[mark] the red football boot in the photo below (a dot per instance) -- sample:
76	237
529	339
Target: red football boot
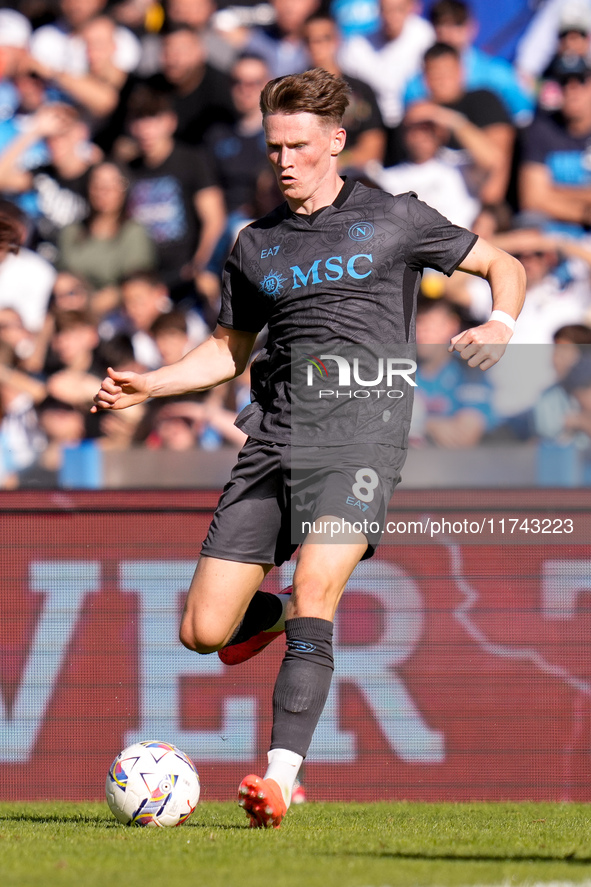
262	800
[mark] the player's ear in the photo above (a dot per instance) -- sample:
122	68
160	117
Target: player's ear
338	141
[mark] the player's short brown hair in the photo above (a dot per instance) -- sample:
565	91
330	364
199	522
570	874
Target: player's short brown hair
313	92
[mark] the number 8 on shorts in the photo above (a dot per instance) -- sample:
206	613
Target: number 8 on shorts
366	481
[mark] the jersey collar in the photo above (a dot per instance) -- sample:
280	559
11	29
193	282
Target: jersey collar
349	184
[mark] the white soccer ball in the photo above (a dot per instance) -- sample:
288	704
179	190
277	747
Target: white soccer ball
152	783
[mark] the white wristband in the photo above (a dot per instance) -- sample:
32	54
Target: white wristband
503	317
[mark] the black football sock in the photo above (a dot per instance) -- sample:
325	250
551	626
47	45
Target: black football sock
303	682
264	610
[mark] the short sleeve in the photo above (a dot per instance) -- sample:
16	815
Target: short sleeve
243	307
433	241
200	170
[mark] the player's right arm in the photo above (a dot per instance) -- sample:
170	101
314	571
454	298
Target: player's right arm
221	357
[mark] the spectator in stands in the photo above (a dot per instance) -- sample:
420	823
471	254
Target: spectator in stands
554	175
107	245
428	171
95	90
145	19
182	424
366	136
387	59
238	153
198	15
172	431
14	333
574	43
174	196
26	278
61	46
200	94
145	301
69	293
281	44
15	31
455	25
444	79
558	272
19	430
554	27
62	425
175	335
550	416
74	362
61	184
453	400
118	430
30	93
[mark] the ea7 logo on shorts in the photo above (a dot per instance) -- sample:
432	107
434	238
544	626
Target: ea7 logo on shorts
361	231
271	251
356	503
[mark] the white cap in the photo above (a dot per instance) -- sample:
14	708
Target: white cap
575	16
15	29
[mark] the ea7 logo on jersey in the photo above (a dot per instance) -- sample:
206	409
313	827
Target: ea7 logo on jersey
271	251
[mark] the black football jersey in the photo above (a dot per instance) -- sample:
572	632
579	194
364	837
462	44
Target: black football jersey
346	276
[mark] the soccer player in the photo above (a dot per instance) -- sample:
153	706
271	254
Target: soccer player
336	264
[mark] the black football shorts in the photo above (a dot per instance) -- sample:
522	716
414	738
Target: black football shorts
276	496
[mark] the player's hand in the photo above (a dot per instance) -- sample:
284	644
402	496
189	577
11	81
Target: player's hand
482	346
120	390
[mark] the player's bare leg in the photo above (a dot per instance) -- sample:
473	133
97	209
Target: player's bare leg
217	600
303	682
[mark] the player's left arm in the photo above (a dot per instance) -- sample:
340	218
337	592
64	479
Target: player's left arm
482	346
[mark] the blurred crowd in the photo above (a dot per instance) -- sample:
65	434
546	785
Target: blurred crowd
132	152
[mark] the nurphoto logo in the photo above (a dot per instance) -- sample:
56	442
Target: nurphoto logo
388	372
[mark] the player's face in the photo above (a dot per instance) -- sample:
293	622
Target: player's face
302	149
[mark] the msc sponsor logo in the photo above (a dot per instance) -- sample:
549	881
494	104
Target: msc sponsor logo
272	284
357	267
361	231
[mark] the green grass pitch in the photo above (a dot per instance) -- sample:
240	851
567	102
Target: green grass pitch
318	845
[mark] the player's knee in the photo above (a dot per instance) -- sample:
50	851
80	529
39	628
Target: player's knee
312	591
199	637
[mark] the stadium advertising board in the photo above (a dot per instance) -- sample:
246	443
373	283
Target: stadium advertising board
462	666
